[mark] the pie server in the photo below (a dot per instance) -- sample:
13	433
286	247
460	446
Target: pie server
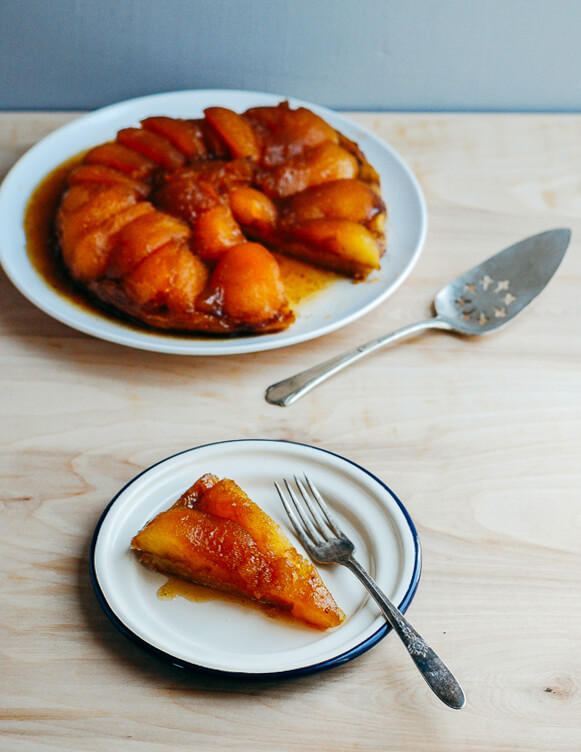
479	301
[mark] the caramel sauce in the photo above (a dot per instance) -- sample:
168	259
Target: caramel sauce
41	243
174	587
301	280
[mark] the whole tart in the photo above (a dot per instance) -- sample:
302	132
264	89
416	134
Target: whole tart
174	223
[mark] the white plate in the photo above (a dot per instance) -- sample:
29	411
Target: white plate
241	639
338	305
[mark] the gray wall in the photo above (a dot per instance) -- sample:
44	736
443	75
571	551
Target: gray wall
347	54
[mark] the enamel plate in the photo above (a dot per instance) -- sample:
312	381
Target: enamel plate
238	638
334	307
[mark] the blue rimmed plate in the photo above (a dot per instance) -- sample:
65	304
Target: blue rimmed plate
229	636
336	306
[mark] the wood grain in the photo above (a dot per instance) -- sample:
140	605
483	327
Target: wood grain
480	439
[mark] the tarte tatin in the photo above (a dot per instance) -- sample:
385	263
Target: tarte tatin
174	222
215	535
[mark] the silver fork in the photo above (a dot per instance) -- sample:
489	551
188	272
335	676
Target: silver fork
326	543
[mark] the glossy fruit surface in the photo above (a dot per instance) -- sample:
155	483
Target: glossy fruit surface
215	535
196	192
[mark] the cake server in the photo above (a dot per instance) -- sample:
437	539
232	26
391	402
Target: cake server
479	301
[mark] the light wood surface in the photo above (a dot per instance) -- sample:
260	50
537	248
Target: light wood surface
481	440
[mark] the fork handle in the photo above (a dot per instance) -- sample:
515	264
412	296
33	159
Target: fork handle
431	667
289	390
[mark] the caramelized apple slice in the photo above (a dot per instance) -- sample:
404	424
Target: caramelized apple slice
122	158
183	134
99	173
172	276
321	164
140	238
235	131
153	146
214	231
339	199
89	258
247	286
287	133
72	225
226	499
252	208
338	244
76	196
206	550
183	194
217	536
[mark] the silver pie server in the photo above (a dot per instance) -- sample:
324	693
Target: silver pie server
478	302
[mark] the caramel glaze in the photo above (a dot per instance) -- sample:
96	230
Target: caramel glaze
41	243
301	280
175	587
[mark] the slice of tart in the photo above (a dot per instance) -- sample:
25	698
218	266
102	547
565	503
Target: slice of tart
215	535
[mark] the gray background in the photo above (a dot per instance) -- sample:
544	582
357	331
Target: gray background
500	55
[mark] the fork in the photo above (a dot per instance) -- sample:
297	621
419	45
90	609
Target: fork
326	543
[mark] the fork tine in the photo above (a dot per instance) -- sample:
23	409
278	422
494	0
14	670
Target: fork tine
323	507
294	514
310	502
303	513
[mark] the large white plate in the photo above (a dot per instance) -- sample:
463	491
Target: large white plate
236	638
338	305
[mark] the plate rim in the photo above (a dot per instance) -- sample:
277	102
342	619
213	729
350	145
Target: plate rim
316	666
57	307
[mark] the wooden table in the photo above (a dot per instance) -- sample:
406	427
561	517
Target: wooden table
481	440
